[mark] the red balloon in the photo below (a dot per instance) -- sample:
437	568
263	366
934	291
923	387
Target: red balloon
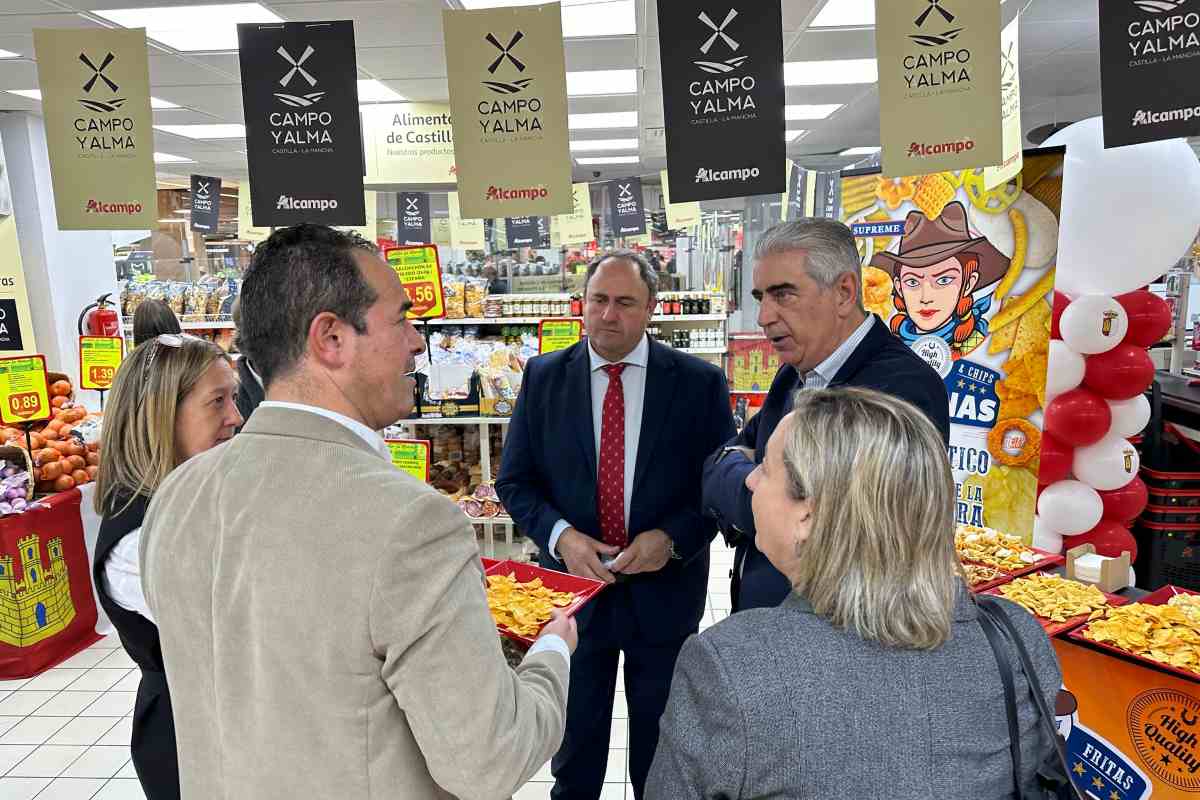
1124	504
1149	317
1120	374
1108	537
1076	418
1056	460
1061	301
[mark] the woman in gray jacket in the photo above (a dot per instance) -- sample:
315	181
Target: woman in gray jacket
873	678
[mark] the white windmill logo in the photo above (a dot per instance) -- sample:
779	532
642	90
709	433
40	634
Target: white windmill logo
298	100
718	32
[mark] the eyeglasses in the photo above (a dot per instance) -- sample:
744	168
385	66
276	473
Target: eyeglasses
173	340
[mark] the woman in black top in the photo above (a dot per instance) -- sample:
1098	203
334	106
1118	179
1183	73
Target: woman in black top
172	399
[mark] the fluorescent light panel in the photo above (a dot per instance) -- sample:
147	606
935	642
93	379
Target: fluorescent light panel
599	145
36	94
860	151
791	136
839	72
609	160
9	54
372	91
617	119
601	82
796	112
205	131
191	28
581	17
848	14
167	158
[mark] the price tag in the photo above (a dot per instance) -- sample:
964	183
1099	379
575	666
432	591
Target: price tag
412	456
99	358
24	393
558	334
421	273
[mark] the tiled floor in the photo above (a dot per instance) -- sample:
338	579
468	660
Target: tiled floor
64	735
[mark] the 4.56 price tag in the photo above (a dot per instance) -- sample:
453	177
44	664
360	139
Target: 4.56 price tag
99	358
24	393
420	271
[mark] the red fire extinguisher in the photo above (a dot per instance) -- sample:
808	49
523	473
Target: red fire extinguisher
100	318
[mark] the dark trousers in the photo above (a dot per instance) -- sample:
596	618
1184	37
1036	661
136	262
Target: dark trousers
579	766
152	747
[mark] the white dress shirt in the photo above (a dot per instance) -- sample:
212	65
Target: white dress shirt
123	576
823	374
633	383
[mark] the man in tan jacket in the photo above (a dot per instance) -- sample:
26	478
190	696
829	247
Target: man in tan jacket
323	619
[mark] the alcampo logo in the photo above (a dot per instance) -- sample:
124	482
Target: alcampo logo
1159	117
1158	6
202	189
502	87
705	175
718	32
297	64
919	150
103	106
935	39
100	207
286	203
412	205
531	193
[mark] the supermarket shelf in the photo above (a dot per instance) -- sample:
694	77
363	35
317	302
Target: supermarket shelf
198	326
703	351
536	320
691	318
456	421
502	519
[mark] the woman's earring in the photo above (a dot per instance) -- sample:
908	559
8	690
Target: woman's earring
797	548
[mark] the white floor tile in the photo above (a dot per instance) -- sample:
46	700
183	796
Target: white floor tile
619	737
85	731
127	771
121	733
85	659
98	762
121	789
6	723
66	704
47	761
118	659
616	767
55	679
539	790
111	704
13	754
71	789
4	693
22	788
98	679
107	643
130	682
22	703
33	730
13	684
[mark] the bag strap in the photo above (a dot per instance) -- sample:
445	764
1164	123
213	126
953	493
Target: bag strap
995	638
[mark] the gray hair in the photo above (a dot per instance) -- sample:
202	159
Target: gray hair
828	244
647	273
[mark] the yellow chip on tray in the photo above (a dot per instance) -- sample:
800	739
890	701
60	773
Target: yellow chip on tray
992	548
1009	500
1168	633
977	574
1055	598
523	607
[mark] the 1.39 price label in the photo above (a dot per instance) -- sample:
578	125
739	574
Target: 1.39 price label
24	393
99	358
420	270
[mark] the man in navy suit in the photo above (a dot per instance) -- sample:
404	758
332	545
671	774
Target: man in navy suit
808	285
602	469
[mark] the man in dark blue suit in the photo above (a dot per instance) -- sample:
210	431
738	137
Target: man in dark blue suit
602	469
807	282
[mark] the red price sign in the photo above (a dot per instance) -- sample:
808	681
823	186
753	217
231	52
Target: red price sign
24	393
25	405
420	271
101	375
423	296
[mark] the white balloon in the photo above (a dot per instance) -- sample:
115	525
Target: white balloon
1064	369
1069	508
1094	323
1044	538
1155	185
1108	464
1129	417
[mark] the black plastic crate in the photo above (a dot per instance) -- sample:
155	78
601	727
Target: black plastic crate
1174	498
1167	554
1168	515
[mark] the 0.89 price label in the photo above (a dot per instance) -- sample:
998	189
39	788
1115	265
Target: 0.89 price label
99	358
420	271
24	393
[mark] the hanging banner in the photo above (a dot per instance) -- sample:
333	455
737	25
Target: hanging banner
247	230
420	270
413	212
520	232
964	277
627	207
939	85
1148	86
826	194
680	216
794	205
723	98
303	136
543	232
508	103
439	233
576	227
15	338
206	202
1010	111
465	234
408	143
95	86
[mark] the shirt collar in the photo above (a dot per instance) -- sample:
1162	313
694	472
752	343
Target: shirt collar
830	367
372	438
640	356
250	367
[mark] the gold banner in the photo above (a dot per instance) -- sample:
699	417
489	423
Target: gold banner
679	215
1010	98
465	234
508	102
440	232
246	227
939	85
95	87
576	227
408	143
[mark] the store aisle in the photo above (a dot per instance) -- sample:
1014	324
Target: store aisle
64	735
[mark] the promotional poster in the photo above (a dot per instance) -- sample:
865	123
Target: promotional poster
1010	110
811	194
576	227
627	207
16	330
205	202
964	276
465	234
408	143
680	216
521	232
414	223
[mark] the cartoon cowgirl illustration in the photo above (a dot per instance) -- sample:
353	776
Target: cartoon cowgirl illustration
942	279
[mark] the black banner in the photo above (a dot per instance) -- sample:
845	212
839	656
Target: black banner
828	197
413	210
521	232
1149	58
206	202
627	206
797	194
543	231
723	97
10	327
303	132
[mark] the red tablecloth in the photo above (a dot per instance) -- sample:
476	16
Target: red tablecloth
47	607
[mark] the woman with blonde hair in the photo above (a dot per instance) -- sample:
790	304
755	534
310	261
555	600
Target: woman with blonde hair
172	398
875	677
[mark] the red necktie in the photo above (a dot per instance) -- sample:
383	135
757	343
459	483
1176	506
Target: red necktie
610	479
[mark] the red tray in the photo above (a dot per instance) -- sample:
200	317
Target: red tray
1055	628
992	584
488	563
1048	560
1156	598
584	588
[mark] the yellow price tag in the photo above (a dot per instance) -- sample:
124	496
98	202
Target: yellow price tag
99	358
558	334
421	273
411	456
24	393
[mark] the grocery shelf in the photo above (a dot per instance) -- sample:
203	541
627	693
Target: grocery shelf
198	326
703	351
456	421
501	519
536	320
691	318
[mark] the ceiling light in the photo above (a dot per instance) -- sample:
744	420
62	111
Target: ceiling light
598	145
167	158
581	17
860	151
830	73
191	28
36	94
601	82
372	91
609	160
845	13
9	54
810	111
791	136
616	119
205	131
157	103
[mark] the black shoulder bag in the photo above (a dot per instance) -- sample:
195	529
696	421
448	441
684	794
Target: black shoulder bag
1052	775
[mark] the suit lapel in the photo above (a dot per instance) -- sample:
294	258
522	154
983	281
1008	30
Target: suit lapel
656	406
876	337
579	398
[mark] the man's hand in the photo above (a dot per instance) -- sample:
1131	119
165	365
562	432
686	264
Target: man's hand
581	553
562	625
648	552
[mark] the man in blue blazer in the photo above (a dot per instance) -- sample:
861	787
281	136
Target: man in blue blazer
808	284
602	468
